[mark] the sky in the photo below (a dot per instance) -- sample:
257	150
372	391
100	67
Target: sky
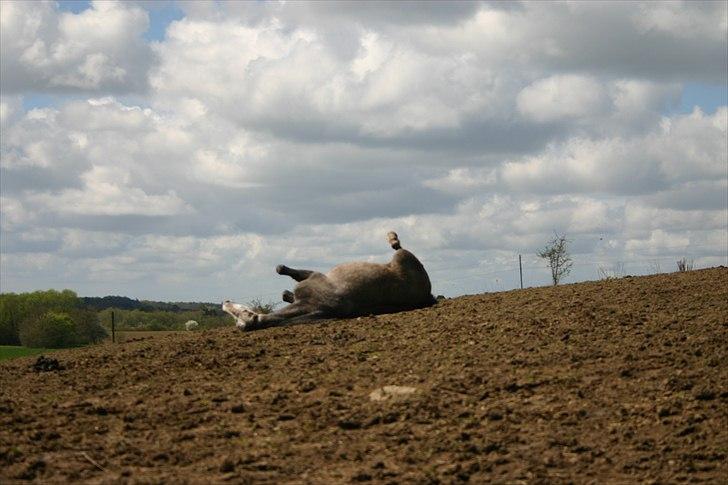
178	151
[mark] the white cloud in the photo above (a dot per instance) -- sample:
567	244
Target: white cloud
693	147
10	107
639	100
80	243
562	97
286	79
12	213
603	107
299	133
305	76
684	19
107	192
585	165
465	180
100	48
683	148
641	219
107	114
208	167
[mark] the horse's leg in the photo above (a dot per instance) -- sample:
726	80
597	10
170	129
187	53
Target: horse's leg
296	274
294	313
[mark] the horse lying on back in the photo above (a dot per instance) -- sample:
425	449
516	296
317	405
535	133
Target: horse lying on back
348	290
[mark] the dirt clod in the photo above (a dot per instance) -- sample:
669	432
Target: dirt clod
47	364
237	409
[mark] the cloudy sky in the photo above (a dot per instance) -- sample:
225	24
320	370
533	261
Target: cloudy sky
179	150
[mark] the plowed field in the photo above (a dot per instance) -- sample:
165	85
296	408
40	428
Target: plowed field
619	381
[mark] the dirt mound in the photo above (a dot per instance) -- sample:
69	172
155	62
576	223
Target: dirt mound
615	381
46	364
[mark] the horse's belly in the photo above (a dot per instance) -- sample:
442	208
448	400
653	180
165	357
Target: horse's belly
364	288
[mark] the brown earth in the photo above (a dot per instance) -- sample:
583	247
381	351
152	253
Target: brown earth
620	381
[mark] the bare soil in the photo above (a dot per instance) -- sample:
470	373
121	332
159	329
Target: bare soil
619	381
123	336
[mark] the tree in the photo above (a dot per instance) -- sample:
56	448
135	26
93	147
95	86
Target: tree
11	315
51	330
88	328
685	265
258	306
17	308
557	255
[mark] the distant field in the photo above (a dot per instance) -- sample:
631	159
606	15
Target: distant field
13	351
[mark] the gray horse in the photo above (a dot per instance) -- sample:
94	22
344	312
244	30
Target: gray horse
348	290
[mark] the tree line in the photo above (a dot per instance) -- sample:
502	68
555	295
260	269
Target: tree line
57	319
125	303
50	319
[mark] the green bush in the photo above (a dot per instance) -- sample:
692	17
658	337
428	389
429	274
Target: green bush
17	308
258	306
50	330
10	317
88	327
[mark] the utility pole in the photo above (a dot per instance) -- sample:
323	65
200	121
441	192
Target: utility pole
520	269
113	327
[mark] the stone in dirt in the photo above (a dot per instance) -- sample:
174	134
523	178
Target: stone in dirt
389	392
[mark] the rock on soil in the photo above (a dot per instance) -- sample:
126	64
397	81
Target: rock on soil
390	392
619	381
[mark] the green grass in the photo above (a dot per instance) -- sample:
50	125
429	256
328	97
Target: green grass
13	351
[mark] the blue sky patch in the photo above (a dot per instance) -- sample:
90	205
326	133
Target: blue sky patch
160	16
708	96
32	101
75	6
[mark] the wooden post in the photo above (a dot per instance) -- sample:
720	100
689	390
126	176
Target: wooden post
113	328
520	269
